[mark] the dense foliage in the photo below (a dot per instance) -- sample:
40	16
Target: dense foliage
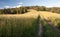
22	10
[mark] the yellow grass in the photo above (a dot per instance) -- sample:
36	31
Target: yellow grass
19	25
30	14
34	14
23	22
47	15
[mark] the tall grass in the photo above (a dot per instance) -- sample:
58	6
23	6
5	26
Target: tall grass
55	21
48	31
18	26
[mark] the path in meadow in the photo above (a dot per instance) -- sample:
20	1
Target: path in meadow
46	15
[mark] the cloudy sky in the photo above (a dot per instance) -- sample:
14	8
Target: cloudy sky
18	3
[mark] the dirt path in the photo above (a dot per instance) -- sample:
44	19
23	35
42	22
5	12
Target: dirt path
40	32
46	15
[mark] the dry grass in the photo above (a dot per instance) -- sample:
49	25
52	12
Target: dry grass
46	15
23	25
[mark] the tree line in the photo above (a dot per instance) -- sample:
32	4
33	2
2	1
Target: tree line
22	10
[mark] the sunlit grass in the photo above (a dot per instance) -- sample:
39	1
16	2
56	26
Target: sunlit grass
23	25
26	25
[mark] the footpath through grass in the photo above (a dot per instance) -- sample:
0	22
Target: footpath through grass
25	25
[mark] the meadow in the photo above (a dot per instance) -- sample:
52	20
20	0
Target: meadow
28	25
18	25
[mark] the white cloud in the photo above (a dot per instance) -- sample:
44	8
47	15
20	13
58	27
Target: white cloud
17	6
49	6
53	5
12	6
6	6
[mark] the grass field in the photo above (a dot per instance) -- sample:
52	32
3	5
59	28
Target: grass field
48	31
26	25
52	17
23	25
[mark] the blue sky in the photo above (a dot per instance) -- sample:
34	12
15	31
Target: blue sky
18	3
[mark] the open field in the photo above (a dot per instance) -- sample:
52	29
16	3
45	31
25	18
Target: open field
24	25
47	15
28	24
